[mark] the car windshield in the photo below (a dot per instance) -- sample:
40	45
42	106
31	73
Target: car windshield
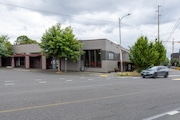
152	68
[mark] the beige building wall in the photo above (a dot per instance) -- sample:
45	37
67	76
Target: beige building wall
71	65
107	65
111	46
125	57
94	44
103	44
26	48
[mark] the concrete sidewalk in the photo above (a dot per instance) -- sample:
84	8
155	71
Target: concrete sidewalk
54	71
79	73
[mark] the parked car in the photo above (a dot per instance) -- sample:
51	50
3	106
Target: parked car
155	72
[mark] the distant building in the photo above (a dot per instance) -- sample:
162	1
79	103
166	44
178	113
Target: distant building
175	55
101	55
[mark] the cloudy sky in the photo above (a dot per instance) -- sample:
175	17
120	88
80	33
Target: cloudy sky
94	19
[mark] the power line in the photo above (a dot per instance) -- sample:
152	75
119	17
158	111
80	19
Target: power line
49	12
174	28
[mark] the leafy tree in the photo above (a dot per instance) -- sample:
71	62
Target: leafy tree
5	46
161	50
24	40
166	62
175	62
61	43
143	54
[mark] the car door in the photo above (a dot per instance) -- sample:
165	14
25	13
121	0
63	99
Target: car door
160	71
164	71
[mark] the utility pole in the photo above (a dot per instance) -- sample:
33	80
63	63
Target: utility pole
158	22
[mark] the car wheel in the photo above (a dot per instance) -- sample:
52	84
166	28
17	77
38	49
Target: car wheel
166	75
155	75
143	76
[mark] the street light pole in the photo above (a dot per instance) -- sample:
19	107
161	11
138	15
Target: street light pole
121	62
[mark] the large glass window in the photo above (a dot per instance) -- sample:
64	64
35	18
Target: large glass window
87	58
92	58
111	56
98	58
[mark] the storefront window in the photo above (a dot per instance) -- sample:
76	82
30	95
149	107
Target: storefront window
111	56
92	58
98	57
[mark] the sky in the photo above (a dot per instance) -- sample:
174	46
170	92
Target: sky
94	19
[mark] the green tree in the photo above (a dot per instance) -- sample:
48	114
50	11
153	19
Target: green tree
5	46
23	39
175	62
166	62
143	54
61	43
161	50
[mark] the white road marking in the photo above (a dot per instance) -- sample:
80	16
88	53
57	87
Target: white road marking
136	77
42	82
90	79
68	80
173	112
9	84
8	81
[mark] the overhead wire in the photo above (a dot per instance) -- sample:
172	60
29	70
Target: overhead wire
174	28
49	12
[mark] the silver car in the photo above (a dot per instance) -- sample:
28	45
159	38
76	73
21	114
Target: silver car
155	72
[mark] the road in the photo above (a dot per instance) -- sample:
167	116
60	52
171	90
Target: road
26	95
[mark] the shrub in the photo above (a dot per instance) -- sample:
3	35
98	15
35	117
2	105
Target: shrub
128	74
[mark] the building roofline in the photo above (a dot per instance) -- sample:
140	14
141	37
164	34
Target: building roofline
124	49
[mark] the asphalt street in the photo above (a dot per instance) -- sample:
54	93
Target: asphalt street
35	95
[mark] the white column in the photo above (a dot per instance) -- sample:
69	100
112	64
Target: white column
27	61
43	62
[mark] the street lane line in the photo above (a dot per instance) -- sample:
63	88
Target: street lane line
68	80
37	79
79	101
173	112
9	84
42	82
8	81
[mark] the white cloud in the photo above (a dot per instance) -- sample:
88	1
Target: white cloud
91	19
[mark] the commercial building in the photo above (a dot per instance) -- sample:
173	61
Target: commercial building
176	56
101	55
